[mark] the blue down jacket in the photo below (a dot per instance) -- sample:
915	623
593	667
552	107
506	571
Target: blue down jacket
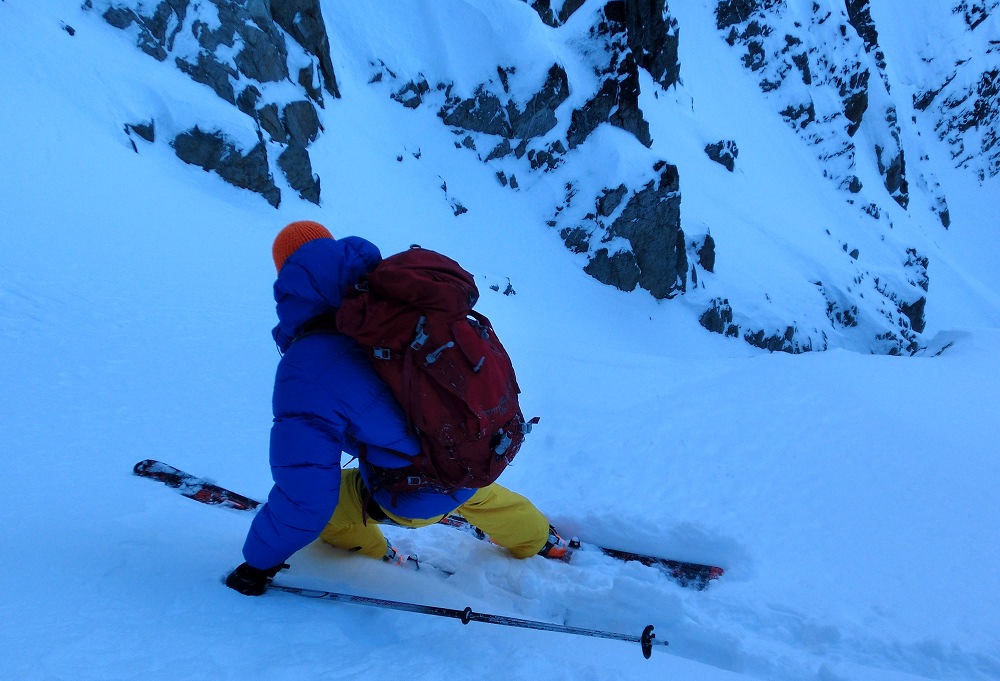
327	400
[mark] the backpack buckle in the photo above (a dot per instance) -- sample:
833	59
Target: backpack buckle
414	480
502	446
420	338
382	353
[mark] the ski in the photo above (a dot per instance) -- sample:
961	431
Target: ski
688	574
194	487
685	573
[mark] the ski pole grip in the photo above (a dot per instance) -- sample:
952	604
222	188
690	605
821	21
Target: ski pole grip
646	641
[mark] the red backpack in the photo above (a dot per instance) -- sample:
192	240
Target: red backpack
444	364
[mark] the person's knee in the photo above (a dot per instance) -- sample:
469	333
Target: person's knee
509	519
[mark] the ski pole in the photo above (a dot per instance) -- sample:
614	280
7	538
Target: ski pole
647	640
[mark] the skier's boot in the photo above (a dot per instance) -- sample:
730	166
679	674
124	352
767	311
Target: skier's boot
394	557
556	547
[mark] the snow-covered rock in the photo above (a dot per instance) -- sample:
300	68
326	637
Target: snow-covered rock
561	109
272	62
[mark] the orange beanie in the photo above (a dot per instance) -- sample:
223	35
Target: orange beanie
294	235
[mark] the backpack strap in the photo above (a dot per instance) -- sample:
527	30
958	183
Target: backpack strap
324	323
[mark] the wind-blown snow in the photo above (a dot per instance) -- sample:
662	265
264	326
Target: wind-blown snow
850	497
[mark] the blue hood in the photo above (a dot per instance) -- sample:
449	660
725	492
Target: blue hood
313	280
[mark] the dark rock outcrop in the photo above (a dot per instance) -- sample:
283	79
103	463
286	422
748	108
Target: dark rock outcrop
723	152
486	113
960	97
860	15
617	103
632	236
295	164
303	20
968	119
146	130
619	269
549	16
706	253
892	164
617	99
240	49
653	37
213	151
802	63
721	318
153	37
650	223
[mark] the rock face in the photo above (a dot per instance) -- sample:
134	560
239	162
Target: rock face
815	66
724	152
963	97
653	37
628	227
486	113
649	30
576	121
303	21
806	56
242	51
552	16
656	259
617	100
212	151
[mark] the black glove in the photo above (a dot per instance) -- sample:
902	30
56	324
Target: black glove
251	581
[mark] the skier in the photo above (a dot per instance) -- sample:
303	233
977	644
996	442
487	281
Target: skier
328	400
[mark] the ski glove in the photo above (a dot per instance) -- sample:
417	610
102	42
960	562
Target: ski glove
251	581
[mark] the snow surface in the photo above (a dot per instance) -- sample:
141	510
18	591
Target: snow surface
850	497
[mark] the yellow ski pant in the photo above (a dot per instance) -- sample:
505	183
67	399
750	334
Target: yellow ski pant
509	519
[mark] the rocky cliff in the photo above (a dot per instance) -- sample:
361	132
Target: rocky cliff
543	117
269	60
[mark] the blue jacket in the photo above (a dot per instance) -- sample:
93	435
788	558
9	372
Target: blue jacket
327	400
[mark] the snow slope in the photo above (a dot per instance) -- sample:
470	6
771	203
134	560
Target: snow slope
850	497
